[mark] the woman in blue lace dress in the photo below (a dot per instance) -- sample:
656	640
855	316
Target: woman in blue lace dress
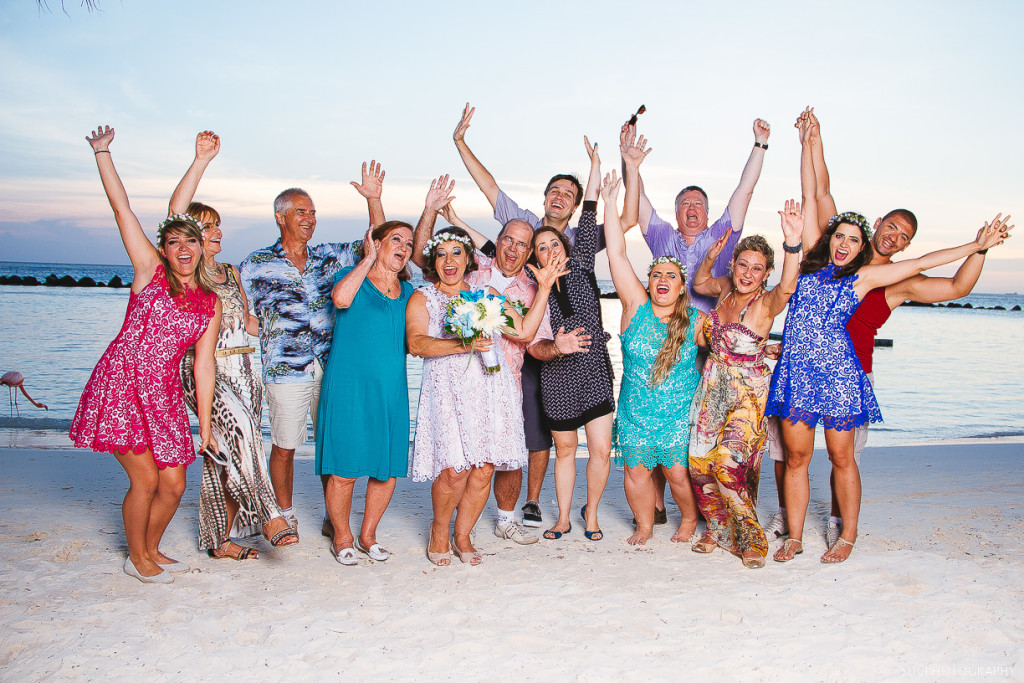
818	378
659	378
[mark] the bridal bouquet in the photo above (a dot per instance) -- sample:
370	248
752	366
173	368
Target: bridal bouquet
476	314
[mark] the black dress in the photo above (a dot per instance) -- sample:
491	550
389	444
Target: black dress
577	387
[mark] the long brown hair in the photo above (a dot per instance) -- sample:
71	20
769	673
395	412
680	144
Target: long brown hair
203	280
819	257
678	324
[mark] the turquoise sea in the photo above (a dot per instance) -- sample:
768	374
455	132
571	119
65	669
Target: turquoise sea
951	373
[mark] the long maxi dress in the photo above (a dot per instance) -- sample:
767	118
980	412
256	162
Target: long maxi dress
652	426
133	400
236	416
363	424
728	435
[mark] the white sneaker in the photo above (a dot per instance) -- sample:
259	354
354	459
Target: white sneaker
515	532
833	533
778	527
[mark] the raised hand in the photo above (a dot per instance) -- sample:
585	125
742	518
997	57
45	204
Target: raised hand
549	274
761	131
439	194
207	145
995	233
592	152
634	154
610	187
369	246
460	130
576	341
717	247
803	125
448	211
814	128
792	222
626	135
372	185
101	138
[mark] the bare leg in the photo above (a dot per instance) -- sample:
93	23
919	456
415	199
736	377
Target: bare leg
658	477
565	476
678	477
170	488
282	474
599	448
799	439
780	482
135	510
832	489
445	494
378	497
640	494
338	500
538	470
478	488
507	486
847	490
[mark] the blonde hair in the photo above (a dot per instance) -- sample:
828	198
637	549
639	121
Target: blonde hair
204	282
668	355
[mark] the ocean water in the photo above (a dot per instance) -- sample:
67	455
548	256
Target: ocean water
951	373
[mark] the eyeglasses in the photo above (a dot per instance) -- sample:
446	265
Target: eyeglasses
509	242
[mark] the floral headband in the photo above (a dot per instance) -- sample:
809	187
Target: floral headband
667	259
177	218
853	218
442	237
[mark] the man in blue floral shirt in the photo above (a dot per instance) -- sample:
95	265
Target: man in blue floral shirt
289	289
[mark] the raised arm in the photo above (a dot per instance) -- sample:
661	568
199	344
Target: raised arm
631	291
812	229
594	178
481	176
371	187
792	219
438	196
207	147
740	199
479	239
703	282
346	288
141	251
635	203
826	204
990	235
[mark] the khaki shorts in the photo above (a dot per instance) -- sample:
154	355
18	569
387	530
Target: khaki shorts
290	404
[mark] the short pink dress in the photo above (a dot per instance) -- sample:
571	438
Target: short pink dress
133	401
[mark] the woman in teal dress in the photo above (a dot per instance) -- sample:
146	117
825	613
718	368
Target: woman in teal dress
659	378
363	418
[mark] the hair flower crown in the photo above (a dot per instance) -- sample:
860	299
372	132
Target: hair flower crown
177	218
442	237
853	218
667	259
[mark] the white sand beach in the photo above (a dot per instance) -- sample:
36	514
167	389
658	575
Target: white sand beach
932	591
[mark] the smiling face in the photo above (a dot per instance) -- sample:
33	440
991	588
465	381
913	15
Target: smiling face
560	200
749	271
182	251
514	247
665	284
450	260
394	250
893	236
298	221
845	244
547	244
692	212
211	233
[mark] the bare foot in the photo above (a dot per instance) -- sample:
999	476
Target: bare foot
839	552
642	535
147	567
685	532
157	557
791	547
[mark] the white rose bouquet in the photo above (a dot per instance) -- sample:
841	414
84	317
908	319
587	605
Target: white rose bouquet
476	314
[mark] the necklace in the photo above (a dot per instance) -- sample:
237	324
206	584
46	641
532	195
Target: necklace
380	280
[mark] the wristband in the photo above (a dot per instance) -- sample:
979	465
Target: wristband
795	249
102	151
982	251
762	145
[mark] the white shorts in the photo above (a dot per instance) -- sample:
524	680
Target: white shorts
774	440
290	405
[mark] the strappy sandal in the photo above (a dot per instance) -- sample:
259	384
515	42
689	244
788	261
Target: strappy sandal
277	540
243	553
705	545
783	554
839	542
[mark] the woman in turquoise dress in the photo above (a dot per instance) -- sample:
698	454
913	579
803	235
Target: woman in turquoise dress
363	418
659	378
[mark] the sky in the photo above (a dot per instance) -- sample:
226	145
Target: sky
919	105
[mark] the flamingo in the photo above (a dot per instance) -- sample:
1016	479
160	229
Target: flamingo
16	379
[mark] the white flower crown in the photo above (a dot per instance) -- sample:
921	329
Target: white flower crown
177	218
442	237
667	259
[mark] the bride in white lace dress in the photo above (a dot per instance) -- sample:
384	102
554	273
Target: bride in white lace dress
469	421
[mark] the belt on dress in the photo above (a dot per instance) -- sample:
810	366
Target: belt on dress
223	353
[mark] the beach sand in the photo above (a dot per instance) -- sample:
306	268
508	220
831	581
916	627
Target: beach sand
933	590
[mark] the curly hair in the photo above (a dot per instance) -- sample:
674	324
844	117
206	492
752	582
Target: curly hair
759	244
668	354
819	257
429	268
184	229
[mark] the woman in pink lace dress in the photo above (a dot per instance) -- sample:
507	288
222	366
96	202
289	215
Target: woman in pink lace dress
469	422
133	405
